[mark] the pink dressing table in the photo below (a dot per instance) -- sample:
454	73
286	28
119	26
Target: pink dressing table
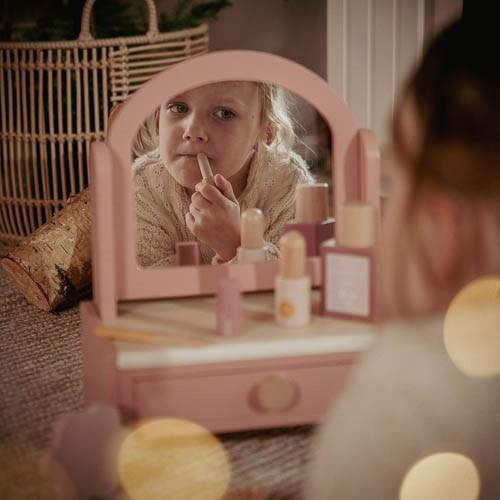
266	377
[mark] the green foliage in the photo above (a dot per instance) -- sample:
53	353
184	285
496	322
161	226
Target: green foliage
112	18
187	15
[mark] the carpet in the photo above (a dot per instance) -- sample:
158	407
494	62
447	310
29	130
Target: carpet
41	378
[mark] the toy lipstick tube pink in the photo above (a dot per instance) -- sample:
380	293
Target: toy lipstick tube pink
205	168
311	216
252	237
292	287
228	307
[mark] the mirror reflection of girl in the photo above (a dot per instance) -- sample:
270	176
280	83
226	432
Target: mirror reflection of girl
407	399
246	132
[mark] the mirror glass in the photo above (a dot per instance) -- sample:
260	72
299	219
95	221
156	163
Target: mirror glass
260	141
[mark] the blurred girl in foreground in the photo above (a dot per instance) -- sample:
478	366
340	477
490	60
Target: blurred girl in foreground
408	399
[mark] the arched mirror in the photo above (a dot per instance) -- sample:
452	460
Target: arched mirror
203	95
263	140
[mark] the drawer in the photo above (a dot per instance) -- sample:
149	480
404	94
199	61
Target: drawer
235	397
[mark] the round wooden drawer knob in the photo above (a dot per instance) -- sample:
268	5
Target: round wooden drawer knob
276	394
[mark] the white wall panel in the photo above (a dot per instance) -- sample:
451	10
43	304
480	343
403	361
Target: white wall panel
357	67
383	78
372	45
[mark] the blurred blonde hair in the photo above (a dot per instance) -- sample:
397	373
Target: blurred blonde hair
454	94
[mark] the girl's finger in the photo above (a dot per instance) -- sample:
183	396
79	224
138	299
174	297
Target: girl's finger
200	202
211	193
225	187
194	211
189	221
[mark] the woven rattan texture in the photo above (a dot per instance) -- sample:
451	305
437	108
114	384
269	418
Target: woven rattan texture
55	99
41	378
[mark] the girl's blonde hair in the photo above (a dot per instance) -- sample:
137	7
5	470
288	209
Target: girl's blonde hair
276	116
455	95
277	104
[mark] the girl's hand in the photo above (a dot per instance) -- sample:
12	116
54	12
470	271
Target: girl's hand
214	217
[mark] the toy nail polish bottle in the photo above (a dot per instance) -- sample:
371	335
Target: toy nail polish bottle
311	216
292	293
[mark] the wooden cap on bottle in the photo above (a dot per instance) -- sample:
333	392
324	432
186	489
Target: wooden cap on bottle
358	225
252	228
293	255
311	202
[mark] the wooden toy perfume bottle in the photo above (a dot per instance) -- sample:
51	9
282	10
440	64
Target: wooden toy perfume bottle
348	265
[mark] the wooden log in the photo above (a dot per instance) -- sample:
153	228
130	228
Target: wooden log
53	264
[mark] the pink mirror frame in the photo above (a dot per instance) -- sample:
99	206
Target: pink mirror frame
116	274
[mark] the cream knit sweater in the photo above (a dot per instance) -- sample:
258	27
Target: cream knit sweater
404	401
162	203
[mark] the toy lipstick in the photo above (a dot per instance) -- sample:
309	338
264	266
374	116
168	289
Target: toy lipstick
205	169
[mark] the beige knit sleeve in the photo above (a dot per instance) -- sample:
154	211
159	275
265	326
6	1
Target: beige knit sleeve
155	239
282	211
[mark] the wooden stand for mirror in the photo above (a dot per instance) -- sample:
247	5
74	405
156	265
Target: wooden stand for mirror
267	377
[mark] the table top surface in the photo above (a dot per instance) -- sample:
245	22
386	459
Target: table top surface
184	331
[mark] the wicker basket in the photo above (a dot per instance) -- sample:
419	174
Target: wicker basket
55	99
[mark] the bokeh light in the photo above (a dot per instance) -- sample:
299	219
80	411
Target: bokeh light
442	476
472	328
174	459
25	472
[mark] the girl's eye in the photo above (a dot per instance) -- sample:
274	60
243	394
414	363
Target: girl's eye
177	107
225	114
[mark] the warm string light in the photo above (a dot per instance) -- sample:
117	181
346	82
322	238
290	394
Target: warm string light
441	476
472	328
23	473
175	459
